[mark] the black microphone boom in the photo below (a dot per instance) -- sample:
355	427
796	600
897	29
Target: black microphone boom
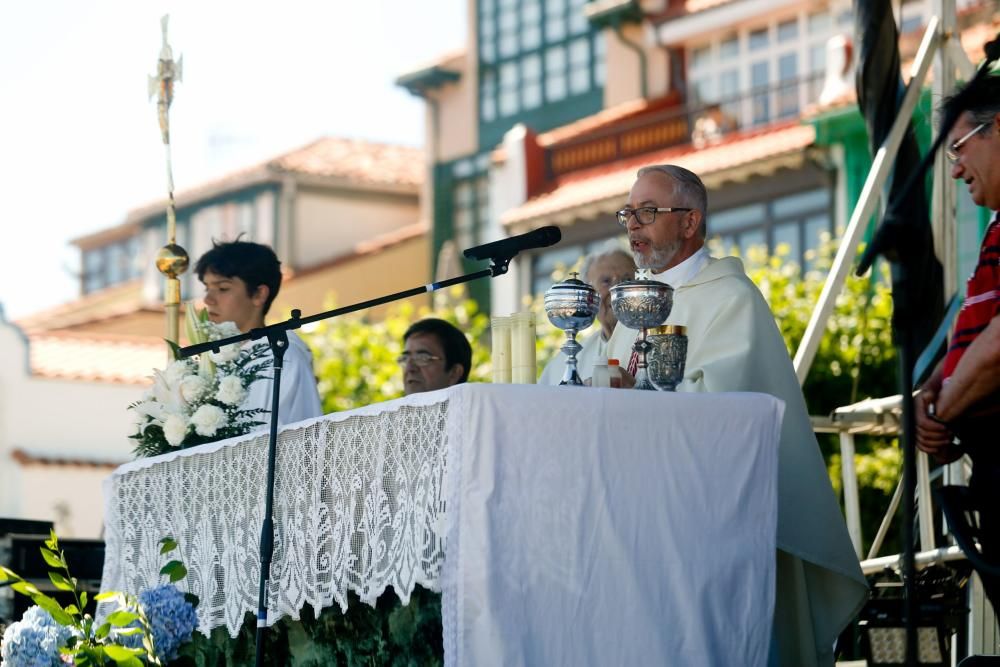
505	249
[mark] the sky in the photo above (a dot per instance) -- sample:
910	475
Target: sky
79	137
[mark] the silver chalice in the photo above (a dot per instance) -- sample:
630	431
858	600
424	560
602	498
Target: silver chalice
571	305
640	304
667	356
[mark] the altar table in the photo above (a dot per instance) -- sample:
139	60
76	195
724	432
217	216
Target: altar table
562	525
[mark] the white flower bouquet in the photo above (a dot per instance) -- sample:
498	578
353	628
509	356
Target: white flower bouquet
198	400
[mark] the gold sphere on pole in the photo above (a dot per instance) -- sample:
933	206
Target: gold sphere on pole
172	260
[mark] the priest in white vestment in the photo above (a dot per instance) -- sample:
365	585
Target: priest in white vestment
602	269
735	345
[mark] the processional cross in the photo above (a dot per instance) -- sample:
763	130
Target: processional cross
172	259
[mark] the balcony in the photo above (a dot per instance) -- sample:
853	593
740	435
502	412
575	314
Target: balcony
700	124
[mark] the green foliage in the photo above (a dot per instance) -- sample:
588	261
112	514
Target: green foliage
90	644
386	634
355	357
855	360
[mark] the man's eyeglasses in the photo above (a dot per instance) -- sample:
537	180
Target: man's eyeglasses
645	215
953	151
419	358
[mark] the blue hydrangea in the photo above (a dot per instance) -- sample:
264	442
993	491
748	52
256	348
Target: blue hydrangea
171	618
33	641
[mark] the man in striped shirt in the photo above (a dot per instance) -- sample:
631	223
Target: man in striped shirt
958	408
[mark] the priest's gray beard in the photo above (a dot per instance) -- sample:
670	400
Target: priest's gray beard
658	259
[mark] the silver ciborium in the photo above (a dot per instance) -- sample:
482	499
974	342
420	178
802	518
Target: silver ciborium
571	306
640	304
667	356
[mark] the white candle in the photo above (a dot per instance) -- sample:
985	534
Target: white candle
501	356
523	370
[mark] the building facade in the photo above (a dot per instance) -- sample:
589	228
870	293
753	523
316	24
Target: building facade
553	105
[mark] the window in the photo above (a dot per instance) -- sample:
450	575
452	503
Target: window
533	53
470	200
761	73
112	264
796	222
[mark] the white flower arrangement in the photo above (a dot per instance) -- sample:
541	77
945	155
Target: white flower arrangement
198	400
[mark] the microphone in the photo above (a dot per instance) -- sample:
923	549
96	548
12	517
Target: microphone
505	249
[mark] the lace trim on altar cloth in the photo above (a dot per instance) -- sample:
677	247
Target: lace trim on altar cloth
359	505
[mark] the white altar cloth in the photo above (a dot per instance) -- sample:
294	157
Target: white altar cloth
584	526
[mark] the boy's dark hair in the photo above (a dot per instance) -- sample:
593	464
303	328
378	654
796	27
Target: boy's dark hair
253	263
456	346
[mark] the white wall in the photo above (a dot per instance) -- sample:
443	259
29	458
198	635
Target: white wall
60	419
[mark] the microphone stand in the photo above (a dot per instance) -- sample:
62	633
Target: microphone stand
277	338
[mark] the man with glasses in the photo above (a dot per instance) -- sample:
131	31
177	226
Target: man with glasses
734	345
435	355
958	407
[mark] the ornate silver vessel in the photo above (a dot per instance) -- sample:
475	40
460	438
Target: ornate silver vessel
571	305
667	355
640	304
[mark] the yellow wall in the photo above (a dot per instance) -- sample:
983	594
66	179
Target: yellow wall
331	225
393	269
622	82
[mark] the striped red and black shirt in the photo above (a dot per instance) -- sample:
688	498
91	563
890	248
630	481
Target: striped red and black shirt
982	299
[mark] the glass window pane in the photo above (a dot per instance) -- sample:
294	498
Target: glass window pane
819	23
487	51
508	102
788	92
788	234
751	239
578	23
802	202
579	52
555	87
735	218
555	7
759	79
555	28
579	81
729	48
758	39
599	64
531	95
701	56
531	67
704	91
815	228
531	37
729	84
788	30
508	44
508	22
531	13
555	59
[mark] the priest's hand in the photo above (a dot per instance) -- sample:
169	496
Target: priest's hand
628	381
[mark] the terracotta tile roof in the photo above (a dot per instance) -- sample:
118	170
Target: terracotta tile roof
95	358
605	118
26	458
355	161
347	162
607	182
102	304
